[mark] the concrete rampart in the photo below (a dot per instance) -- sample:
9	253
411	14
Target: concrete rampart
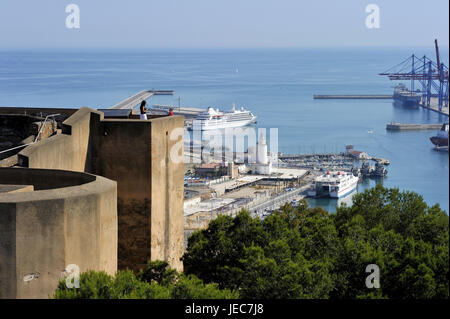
70	218
67	151
136	154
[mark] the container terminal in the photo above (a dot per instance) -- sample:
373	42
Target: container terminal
431	91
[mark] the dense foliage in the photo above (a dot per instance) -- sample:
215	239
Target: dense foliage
307	253
155	282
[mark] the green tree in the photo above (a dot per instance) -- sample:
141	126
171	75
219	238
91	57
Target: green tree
158	272
190	287
157	281
215	253
396	230
93	285
306	252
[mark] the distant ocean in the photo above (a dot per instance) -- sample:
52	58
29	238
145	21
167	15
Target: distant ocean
276	84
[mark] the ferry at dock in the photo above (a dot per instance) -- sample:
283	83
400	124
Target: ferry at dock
334	184
214	119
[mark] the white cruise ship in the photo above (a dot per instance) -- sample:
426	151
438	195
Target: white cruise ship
214	119
335	184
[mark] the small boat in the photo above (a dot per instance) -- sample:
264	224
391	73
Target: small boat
366	169
379	170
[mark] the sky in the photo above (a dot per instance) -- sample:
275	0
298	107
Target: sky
222	23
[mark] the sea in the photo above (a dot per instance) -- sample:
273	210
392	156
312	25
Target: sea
276	84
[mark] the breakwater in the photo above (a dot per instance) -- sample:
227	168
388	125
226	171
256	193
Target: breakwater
352	96
411	127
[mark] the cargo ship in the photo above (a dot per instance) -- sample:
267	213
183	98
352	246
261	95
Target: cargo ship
404	96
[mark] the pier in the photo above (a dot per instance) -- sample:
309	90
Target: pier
125	108
187	112
352	96
132	101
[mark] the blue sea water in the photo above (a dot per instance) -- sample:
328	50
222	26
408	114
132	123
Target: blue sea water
276	84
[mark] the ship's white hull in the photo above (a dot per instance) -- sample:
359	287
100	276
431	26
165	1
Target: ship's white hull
343	190
214	119
216	125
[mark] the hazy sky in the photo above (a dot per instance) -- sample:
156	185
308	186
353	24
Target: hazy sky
222	23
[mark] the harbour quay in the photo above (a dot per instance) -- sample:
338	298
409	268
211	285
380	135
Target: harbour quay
220	188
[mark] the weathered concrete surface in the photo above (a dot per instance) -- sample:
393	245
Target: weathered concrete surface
16	188
43	129
150	187
66	151
122	152
136	154
167	167
9	161
44	231
43	180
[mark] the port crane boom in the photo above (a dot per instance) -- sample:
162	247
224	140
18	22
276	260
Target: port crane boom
433	77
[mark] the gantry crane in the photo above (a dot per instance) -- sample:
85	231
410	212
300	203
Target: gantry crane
433	77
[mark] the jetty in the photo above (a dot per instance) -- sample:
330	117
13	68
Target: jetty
352	96
393	126
132	101
187	111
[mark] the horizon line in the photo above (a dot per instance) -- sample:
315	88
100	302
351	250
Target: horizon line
398	46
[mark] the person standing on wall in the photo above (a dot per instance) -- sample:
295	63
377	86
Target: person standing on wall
143	110
170	111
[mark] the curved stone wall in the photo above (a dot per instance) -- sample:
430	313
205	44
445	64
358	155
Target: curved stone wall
44	179
70	218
